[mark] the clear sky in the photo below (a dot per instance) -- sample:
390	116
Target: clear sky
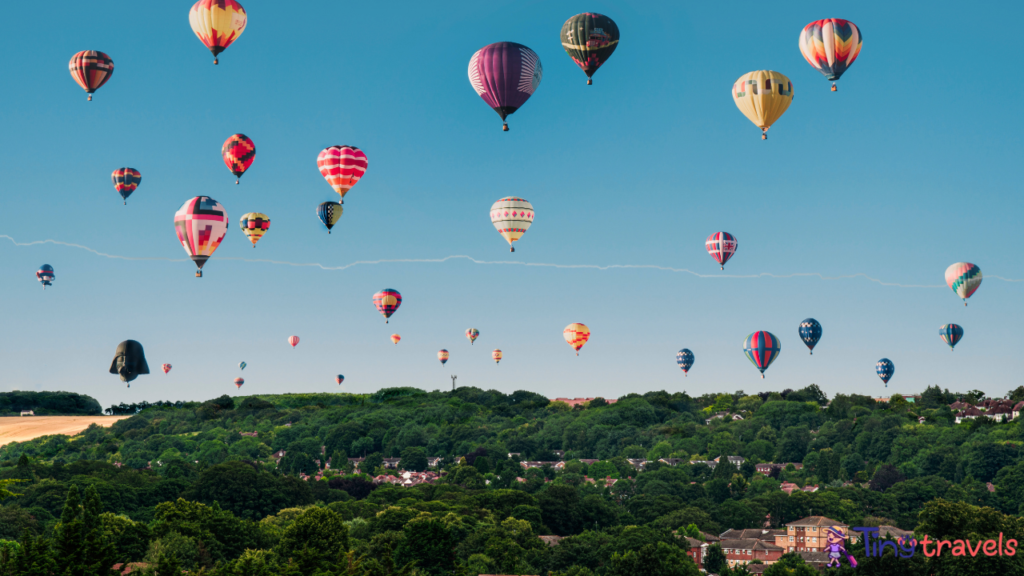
911	166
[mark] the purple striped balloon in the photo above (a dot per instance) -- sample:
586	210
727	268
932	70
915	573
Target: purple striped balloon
505	75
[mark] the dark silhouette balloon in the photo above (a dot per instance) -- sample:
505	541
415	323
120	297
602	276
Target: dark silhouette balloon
129	361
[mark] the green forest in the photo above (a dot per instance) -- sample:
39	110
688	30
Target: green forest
48	404
178	486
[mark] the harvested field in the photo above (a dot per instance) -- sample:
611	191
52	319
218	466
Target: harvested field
20	429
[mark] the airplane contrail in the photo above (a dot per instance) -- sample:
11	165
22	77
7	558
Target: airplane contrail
508	263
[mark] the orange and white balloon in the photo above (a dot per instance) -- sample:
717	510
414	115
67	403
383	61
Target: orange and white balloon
342	167
442	355
217	23
576	335
396	339
496	355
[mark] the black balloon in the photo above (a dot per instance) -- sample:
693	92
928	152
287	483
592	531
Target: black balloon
129	361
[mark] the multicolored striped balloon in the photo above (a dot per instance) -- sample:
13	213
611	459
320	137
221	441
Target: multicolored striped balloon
685	360
293	340
576	335
512	217
126	180
387	302
239	382
201	224
442	355
45	275
217	23
963	278
238	152
254	225
762	348
472	334
339	378
91	69
831	45
166	368
496	355
505	75
951	334
810	333
589	39
721	246
885	369
342	167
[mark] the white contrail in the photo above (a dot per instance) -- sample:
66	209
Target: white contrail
512	263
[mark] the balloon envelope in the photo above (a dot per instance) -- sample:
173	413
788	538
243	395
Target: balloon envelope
505	75
329	213
217	23
254	225
810	332
685	360
576	335
589	39
496	355
126	180
242	365
91	69
964	279
721	246
885	369
238	152
239	382
129	361
472	334
339	379
45	275
387	302
512	217
830	45
201	224
442	356
396	338
293	340
762	348
342	167
951	334
166	368
763	96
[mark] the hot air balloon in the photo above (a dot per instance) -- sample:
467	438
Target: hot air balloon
496	355
810	332
339	378
201	224
45	275
387	302
129	361
472	334
885	369
589	39
721	246
293	340
951	334
239	382
126	180
91	69
238	152
342	166
329	213
964	279
685	360
242	365
576	335
762	348
442	355
830	45
396	339
217	23
512	218
763	96
254	225
166	368
505	75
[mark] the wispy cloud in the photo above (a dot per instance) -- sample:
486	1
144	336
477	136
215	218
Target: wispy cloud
818	275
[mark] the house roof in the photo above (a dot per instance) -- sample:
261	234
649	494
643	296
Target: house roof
816	521
755	533
551	540
750	544
811	557
694	543
893	532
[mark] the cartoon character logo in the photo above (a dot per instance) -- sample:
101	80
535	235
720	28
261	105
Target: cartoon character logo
836	547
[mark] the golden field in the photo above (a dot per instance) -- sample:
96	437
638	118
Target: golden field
22	428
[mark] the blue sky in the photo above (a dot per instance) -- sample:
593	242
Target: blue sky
911	166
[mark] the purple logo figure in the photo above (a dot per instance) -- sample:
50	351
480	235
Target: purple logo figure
836	547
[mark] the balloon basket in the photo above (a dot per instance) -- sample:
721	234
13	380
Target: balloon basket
511	248
834	89
199	273
764	135
590	81
89	99
216	61
504	127
762	376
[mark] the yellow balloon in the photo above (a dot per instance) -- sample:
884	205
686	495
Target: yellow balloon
763	96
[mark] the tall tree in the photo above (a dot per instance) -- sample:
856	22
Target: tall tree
68	536
715	559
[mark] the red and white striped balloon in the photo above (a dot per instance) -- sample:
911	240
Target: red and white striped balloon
342	166
293	340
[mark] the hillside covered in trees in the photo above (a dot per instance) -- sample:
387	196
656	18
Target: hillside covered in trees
205	486
48	404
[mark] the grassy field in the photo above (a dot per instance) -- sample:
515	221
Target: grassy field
19	429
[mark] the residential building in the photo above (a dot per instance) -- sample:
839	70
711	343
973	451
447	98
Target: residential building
671	461
751	533
434	461
697	551
573	402
637	463
745	550
808	534
736	461
28	413
551	540
971	413
817	560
